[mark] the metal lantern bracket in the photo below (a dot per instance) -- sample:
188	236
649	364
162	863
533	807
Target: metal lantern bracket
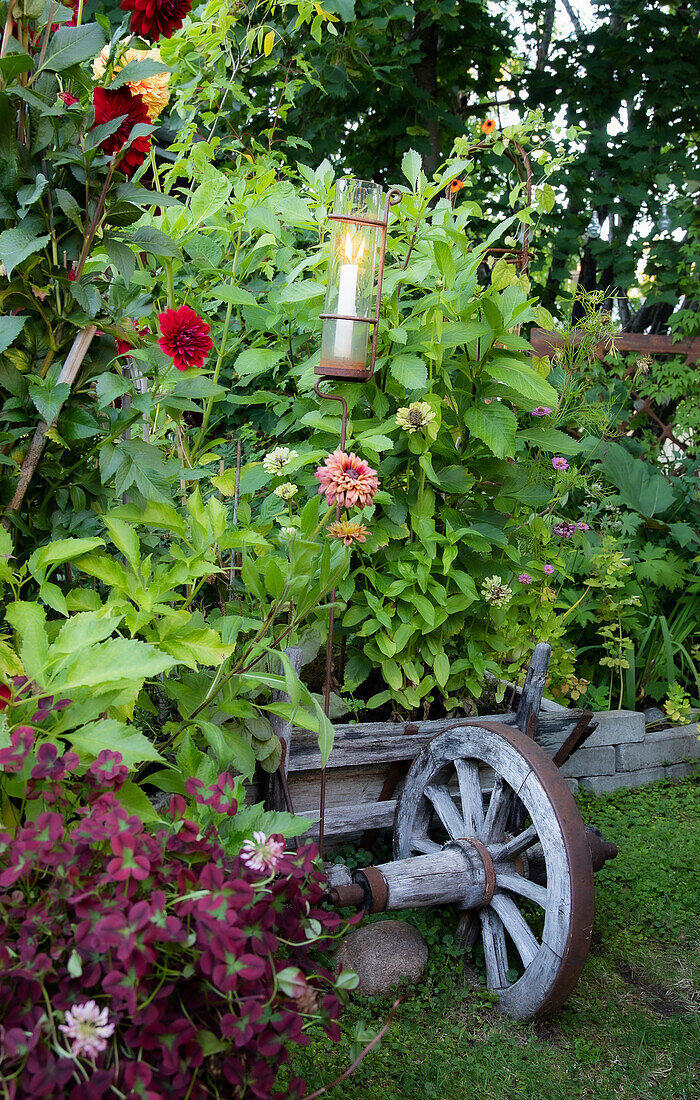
394	196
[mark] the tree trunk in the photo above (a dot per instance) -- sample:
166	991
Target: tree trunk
425	75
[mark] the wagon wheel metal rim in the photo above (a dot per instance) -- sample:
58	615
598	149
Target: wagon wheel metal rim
553	962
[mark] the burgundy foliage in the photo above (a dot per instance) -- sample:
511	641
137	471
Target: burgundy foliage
180	943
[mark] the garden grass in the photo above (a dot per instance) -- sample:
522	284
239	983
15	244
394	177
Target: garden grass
631	1030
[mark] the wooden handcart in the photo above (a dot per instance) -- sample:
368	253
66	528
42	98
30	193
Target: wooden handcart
483	821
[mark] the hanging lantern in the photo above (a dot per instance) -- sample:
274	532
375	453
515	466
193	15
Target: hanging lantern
664	222
594	227
355	272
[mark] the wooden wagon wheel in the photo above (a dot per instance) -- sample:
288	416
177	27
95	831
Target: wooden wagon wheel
547	863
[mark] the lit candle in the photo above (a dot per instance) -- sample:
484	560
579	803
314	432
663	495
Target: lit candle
347	298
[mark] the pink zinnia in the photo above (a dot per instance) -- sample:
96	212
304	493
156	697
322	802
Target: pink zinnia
88	1029
262	853
541	410
347	480
560	463
184	337
525	578
583	526
548	568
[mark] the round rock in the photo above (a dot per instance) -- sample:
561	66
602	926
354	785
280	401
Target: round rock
382	954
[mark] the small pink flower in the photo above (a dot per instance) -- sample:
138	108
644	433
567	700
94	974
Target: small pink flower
262	853
583	526
541	410
560	463
88	1029
548	569
525	578
347	480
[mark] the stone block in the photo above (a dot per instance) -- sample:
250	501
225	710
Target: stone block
659	748
617	727
572	784
680	771
591	760
603	784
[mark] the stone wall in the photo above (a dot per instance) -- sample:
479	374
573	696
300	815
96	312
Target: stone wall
625	751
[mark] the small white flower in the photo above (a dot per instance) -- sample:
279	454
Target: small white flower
262	853
276	460
288	532
286	491
88	1029
496	593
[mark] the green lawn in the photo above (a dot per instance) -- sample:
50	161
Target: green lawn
632	1027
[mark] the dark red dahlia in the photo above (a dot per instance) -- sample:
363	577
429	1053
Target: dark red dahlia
154	19
5	696
110	105
68	99
184	337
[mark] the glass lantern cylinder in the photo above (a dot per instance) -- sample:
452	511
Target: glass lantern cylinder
349	309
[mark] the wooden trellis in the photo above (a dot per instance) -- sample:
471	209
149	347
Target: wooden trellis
545	342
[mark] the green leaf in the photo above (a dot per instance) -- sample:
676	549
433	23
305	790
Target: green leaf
15	61
137	802
410	371
10	328
111	386
29	620
135	71
156	242
121	256
17	244
523	379
255	361
83	630
411	166
109	733
457	333
495	425
236	295
550	440
441	669
61	550
153	514
641	487
49	401
124	538
117	661
71	46
211	195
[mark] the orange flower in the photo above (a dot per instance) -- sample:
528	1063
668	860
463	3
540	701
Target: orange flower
349	530
456	186
153	89
489	126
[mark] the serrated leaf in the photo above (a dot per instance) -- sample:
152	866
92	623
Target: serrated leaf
71	46
136	71
521	378
495	426
10	328
109	733
410	371
29	620
17	244
550	440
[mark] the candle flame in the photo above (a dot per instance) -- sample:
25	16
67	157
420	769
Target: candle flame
352	256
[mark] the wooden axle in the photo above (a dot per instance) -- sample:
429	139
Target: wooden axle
461	874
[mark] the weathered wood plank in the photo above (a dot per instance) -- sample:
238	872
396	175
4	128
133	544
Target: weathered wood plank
383	742
495	953
446	810
341	820
533	688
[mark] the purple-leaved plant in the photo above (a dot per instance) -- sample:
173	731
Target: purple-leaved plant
149	964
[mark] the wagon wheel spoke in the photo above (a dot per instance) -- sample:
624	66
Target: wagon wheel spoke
470	794
446	810
424	845
495	951
497	814
517	927
519	844
516	884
